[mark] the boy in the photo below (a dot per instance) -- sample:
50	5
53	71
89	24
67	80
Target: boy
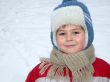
73	57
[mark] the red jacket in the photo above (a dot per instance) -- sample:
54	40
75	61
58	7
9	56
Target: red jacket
102	73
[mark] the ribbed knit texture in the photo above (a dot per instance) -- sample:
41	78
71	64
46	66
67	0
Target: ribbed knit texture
80	64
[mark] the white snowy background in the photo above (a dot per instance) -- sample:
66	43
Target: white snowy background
25	34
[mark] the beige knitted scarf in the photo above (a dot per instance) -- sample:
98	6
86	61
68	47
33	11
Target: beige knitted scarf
79	64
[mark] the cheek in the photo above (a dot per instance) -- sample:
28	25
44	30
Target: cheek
82	40
60	40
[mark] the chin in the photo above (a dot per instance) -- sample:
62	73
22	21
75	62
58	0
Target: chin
70	52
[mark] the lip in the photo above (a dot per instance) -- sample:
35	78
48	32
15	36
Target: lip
69	46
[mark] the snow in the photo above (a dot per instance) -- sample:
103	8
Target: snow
25	34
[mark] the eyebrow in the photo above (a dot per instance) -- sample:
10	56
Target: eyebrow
71	29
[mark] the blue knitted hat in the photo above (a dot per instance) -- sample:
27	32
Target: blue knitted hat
72	12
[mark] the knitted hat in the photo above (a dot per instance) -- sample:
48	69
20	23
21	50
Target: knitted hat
72	12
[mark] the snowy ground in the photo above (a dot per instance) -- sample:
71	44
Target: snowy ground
25	34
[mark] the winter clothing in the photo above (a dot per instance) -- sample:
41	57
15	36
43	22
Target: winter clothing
79	67
101	73
72	12
82	61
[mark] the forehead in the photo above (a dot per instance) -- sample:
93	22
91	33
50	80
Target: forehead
70	26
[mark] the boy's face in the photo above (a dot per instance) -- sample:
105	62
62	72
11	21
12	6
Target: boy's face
70	39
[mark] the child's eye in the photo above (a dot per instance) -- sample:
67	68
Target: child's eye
61	33
76	32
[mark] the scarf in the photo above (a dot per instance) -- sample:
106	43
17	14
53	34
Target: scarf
80	65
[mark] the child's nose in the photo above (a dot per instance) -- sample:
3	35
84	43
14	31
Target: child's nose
69	37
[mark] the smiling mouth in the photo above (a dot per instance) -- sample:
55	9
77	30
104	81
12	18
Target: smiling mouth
69	46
